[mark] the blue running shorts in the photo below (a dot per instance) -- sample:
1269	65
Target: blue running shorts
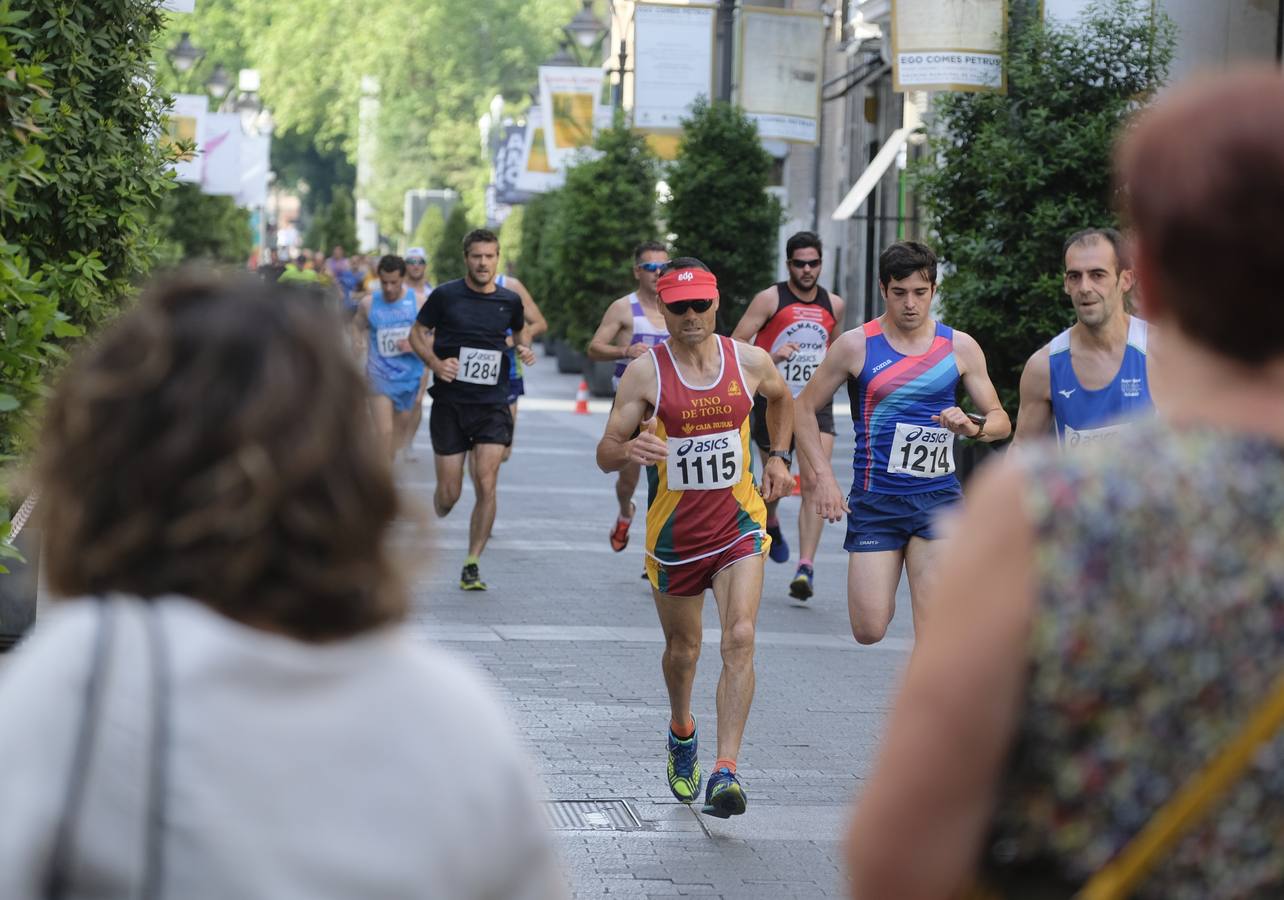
887	521
402	394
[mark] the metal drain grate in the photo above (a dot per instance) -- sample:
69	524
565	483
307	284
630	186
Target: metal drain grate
591	815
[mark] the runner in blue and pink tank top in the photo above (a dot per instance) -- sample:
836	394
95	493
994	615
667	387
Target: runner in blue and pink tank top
903	371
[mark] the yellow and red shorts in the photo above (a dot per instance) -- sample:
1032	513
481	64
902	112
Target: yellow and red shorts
692	579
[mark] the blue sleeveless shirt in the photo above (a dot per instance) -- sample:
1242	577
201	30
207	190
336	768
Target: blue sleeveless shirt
1083	416
390	322
899	449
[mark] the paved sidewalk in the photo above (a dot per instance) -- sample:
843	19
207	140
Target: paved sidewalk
568	631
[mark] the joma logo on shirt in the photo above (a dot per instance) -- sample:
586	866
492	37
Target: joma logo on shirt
884	364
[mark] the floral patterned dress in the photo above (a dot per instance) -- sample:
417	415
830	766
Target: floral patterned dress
1158	630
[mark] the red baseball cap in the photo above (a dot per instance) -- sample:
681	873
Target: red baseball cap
687	284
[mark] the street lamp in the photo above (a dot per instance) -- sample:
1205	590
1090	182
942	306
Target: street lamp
218	83
585	30
184	55
563	56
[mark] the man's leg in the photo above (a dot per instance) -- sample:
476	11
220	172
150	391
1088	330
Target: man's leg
416	417
450	482
738	592
508	451
921	556
485	472
811	525
403	429
382	414
625	485
872	579
680	619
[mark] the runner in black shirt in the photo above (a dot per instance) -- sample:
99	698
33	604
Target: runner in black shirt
461	333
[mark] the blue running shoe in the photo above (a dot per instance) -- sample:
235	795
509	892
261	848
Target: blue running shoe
779	551
684	767
801	588
724	797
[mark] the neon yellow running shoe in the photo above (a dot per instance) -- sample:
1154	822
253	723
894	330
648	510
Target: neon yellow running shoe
684	767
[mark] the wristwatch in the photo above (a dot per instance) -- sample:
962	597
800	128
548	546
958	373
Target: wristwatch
782	454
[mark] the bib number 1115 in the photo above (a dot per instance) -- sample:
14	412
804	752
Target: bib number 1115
706	463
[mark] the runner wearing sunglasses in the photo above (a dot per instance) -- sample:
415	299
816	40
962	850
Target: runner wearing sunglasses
630	326
706	522
795	321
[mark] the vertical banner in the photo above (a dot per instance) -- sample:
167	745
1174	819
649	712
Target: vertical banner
949	45
255	154
183	123
781	53
507	166
569	100
221	154
536	174
673	63
179	5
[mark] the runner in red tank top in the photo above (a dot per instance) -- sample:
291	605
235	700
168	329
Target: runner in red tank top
795	321
691	398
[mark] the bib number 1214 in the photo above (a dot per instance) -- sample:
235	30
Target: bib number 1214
921	451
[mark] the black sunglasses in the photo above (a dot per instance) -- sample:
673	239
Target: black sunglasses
680	307
805	263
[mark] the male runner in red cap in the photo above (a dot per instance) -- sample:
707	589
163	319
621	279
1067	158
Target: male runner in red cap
706	523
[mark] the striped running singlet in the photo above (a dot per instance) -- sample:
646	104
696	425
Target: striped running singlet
701	498
1082	416
899	449
644	332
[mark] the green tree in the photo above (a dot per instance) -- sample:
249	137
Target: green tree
720	211
1008	177
196	226
335	224
448	260
510	239
535	245
429	231
606	208
84	227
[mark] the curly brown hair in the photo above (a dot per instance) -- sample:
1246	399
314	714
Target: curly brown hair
213	443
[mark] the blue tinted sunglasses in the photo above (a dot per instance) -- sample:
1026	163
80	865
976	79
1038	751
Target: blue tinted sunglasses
652	266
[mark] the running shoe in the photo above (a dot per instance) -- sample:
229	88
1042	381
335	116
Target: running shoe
779	551
684	767
470	578
800	587
620	533
724	796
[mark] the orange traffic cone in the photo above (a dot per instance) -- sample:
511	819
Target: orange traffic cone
797	485
582	398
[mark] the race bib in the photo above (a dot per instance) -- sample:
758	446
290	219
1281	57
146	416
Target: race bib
479	366
386	340
1073	440
709	462
921	451
798	369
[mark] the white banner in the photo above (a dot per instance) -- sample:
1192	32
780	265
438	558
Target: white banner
183	123
536	175
569	101
948	45
256	150
179	5
221	154
673	62
780	72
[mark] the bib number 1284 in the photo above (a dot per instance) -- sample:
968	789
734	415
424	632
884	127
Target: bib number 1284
479	366
708	462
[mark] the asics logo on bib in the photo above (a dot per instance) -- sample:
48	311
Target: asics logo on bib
929	436
694	446
687	276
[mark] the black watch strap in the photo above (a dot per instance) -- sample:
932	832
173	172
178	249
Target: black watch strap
782	454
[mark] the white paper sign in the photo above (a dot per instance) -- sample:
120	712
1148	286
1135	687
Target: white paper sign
780	72
948	45
255	160
220	144
673	53
568	101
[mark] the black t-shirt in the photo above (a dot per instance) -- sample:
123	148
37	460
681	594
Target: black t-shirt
474	328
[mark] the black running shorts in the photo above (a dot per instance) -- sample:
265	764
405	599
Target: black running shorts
458	427
758	423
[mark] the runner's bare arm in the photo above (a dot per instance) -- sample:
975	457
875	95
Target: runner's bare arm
421	341
776	480
634	401
761	308
976	381
1034	416
839	306
605	345
535	322
846	357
